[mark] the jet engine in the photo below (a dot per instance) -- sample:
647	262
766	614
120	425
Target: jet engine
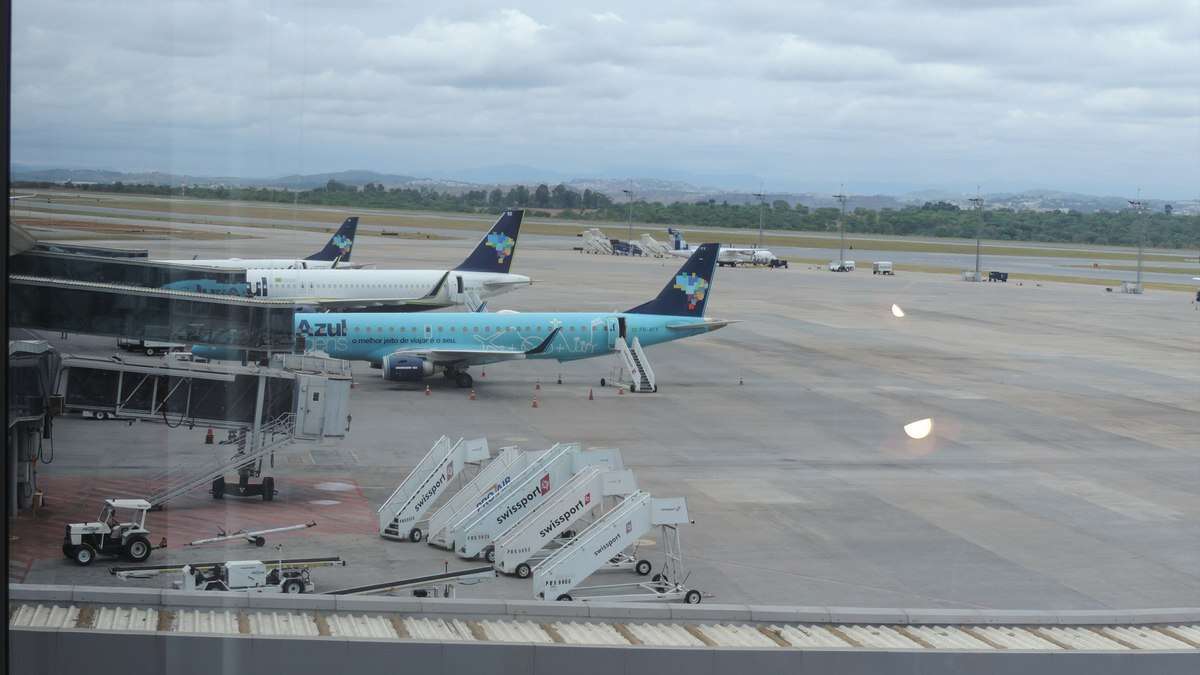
402	368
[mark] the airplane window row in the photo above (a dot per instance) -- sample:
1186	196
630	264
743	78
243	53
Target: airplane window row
477	329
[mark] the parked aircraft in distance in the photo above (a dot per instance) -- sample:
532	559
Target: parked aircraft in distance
482	275
730	256
336	252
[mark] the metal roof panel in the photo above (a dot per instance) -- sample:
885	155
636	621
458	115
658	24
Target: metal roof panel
514	631
587	633
664	635
220	621
810	636
729	635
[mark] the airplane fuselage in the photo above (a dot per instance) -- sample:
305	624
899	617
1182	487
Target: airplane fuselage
370	337
437	288
254	263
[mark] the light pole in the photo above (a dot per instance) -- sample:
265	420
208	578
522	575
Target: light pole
841	197
762	205
629	194
1137	206
977	203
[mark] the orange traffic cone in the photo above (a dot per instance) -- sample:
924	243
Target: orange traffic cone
208	438
621	390
590	396
534	402
427	390
472	396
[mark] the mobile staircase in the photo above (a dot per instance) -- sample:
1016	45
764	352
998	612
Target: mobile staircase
559	576
653	247
481	490
595	242
525	544
247	461
416	495
637	364
532	487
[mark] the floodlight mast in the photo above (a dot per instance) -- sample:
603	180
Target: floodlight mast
629	194
977	204
762	205
841	197
1139	208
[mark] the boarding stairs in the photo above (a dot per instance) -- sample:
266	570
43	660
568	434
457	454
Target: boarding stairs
482	489
532	487
271	437
566	507
595	242
559	576
472	300
653	247
416	495
638	365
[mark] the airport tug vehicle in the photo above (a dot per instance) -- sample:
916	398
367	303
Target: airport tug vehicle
255	576
109	536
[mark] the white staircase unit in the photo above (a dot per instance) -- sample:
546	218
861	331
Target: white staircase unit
482	489
453	533
637	364
594	241
417	494
653	247
527	492
613	532
566	506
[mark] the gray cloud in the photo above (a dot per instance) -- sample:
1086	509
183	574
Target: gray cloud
1096	96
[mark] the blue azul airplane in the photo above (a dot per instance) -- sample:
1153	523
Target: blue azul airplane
412	347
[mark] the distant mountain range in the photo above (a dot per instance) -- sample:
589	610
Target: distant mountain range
643	189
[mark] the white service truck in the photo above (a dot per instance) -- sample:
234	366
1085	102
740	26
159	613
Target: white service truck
150	347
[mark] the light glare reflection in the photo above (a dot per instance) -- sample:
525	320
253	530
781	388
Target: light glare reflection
919	429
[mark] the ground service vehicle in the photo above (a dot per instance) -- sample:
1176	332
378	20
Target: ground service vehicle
108	536
883	267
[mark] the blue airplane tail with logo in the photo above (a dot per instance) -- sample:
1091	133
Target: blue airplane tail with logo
495	251
340	244
686	294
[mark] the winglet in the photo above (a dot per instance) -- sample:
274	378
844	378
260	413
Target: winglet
545	343
495	251
340	244
686	294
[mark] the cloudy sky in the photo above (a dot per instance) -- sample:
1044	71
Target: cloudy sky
1096	96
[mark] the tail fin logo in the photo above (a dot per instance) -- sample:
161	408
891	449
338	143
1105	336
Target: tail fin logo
502	243
343	243
693	287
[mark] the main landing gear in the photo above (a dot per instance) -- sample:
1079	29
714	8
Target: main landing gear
461	378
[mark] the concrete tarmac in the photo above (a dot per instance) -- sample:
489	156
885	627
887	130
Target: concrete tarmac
1063	471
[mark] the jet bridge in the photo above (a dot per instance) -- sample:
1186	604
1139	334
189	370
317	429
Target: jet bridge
559	576
528	490
566	506
414	496
481	490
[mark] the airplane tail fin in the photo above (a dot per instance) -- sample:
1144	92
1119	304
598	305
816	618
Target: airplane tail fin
340	244
686	294
495	251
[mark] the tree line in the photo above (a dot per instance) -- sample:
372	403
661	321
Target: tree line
932	219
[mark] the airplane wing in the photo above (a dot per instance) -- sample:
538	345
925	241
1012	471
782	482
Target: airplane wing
474	357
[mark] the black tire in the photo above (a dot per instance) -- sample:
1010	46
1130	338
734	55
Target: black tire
268	489
490	554
523	571
464	380
565	597
260	541
415	535
151	351
692	597
657	577
602	382
642	568
567	534
218	487
137	549
84	554
293	586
